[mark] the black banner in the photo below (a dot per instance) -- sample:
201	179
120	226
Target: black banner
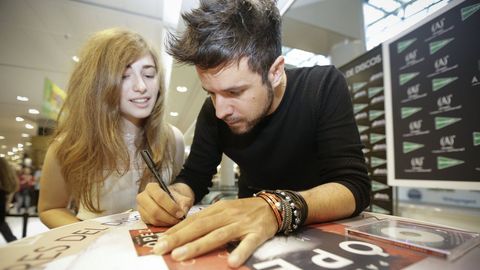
435	97
364	76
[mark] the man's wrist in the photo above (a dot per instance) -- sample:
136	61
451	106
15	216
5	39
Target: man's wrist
289	208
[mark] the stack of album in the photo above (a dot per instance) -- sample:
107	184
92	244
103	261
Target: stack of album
431	239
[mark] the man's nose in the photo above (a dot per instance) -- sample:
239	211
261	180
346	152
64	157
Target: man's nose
223	108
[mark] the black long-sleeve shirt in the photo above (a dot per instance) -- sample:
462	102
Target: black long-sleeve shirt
310	139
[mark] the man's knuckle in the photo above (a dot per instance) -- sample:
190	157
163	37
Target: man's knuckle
222	235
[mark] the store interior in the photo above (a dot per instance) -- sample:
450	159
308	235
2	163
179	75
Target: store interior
40	41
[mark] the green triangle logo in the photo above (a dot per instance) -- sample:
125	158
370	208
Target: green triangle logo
374	114
441	122
468	11
439	83
357	86
406	77
437	45
476	138
373	91
444	162
375	162
358	107
376	186
375	137
402	45
362	128
408	111
409	147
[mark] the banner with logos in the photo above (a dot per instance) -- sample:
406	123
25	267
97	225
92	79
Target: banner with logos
432	94
364	76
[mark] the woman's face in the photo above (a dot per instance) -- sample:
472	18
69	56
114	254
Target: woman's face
140	86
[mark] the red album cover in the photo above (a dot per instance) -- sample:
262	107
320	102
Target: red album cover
145	239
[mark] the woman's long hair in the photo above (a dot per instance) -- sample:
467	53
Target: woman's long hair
8	178
91	145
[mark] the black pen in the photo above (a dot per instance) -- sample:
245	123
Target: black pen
147	157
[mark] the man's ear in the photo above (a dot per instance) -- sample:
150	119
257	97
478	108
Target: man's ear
276	71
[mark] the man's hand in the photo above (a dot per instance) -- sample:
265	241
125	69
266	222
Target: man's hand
157	208
250	220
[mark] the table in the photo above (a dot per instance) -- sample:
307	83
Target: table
110	243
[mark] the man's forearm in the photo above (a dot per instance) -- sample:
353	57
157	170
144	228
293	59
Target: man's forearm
328	202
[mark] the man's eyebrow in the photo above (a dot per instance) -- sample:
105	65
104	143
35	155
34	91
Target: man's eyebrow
233	88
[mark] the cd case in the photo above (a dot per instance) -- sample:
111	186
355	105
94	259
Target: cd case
434	240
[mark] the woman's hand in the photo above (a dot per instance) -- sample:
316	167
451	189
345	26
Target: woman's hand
250	221
157	208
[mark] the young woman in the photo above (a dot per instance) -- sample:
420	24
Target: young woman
114	108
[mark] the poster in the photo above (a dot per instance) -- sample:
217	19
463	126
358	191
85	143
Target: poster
364	76
432	96
319	246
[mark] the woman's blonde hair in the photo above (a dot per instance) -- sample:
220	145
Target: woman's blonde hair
8	178
89	133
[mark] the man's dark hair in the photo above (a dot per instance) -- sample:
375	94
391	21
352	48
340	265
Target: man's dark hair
220	32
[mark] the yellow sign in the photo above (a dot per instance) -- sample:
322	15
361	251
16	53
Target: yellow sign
53	98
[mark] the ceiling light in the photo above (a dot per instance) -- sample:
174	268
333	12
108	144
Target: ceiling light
33	111
14	149
25	135
28	144
29	126
20	145
174	113
22	98
1	137
182	89
2	155
9	153
4	147
75	58
19	119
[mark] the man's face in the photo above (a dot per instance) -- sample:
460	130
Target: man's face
240	98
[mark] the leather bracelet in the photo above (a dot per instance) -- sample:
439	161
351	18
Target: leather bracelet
289	207
267	197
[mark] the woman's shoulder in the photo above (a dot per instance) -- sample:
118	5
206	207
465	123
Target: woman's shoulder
179	154
177	133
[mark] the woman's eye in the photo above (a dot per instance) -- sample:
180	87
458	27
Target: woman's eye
125	76
150	76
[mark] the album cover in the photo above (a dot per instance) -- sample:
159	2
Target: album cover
434	240
314	246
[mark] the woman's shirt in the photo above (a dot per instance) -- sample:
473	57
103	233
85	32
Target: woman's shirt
118	193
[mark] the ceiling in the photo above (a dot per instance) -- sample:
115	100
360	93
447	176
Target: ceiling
39	38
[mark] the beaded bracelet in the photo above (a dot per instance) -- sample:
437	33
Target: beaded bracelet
290	208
